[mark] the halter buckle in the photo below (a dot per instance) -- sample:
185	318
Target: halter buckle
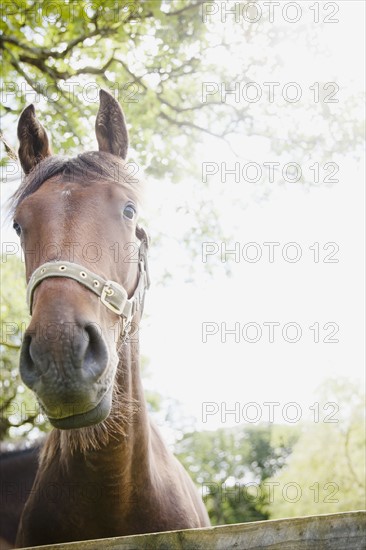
109	290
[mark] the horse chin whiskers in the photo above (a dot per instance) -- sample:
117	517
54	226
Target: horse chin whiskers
61	443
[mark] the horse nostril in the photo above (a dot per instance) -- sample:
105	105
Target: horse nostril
76	356
27	369
96	355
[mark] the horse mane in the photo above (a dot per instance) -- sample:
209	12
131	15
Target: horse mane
84	169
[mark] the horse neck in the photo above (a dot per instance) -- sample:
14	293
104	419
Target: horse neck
129	406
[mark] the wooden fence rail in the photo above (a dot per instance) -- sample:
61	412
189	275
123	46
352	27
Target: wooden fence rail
345	531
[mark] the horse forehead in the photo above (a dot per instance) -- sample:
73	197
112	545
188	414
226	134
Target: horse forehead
72	204
68	193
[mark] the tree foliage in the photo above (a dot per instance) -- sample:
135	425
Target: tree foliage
146	52
326	471
19	412
158	56
231	466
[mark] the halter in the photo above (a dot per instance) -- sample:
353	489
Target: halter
111	294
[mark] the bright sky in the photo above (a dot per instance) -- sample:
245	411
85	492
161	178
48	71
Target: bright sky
209	376
204	375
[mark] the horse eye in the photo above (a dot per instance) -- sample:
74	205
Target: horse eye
17	228
129	212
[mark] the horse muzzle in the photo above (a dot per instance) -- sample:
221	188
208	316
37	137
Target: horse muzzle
71	375
93	416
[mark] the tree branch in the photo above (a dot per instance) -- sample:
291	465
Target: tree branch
10	346
93	70
349	461
186	8
10	151
6	403
188	124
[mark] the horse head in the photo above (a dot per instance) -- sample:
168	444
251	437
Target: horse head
85	259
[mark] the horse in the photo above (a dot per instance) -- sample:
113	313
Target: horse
104	469
17	474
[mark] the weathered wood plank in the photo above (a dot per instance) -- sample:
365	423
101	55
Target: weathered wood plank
345	531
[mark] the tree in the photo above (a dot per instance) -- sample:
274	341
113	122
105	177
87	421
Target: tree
326	470
161	58
231	466
19	412
170	64
144	51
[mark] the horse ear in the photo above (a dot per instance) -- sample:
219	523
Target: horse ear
34	144
110	126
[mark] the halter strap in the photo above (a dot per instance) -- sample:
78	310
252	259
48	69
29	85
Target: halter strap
111	294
